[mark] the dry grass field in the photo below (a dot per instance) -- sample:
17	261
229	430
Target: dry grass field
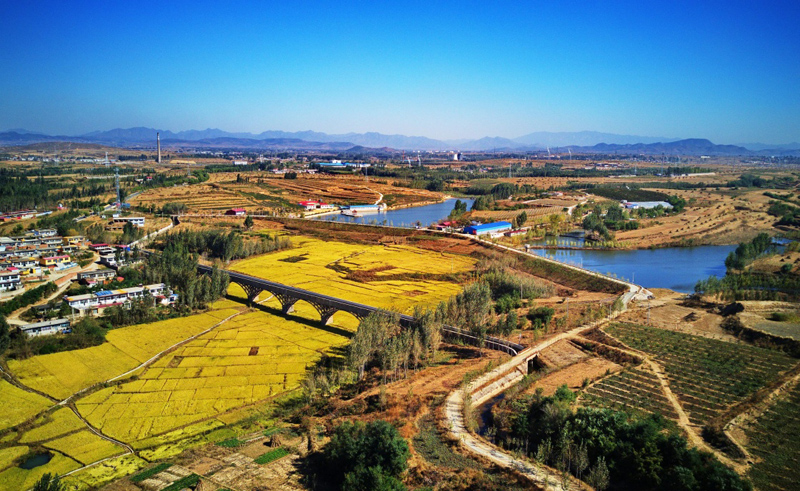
710	217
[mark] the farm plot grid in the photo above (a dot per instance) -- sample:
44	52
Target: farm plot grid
707	375
250	358
632	388
327	267
62	374
772	439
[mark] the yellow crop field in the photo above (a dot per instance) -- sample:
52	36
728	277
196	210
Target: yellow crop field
61	421
7	455
109	470
85	447
16	479
250	358
324	266
62	374
17	405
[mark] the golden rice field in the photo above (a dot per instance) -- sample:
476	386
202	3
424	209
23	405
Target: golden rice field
52	425
61	431
17	479
62	374
323	266
249	358
17	405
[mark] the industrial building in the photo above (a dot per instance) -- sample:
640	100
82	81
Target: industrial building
494	228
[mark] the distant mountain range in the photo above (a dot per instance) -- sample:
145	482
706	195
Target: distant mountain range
577	142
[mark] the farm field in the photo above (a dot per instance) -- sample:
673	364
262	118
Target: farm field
259	192
62	374
633	388
17	405
252	357
772	441
705	374
18	479
388	276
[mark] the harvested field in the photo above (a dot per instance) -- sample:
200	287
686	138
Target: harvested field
707	375
259	191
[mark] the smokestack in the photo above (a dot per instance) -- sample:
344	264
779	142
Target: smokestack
158	141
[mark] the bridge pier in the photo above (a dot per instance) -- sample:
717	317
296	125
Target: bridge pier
287	302
252	292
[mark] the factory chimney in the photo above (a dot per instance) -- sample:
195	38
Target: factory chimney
158	141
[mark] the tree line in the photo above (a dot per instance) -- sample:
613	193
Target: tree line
225	246
607	448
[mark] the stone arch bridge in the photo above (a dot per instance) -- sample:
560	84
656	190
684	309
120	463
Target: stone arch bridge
326	305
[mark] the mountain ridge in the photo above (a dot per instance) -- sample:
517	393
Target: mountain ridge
581	142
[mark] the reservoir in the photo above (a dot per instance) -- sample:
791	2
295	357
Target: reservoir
403	217
676	268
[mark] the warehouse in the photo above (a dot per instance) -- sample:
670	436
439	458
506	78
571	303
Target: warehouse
494	228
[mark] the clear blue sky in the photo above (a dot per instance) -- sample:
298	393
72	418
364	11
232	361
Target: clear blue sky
728	71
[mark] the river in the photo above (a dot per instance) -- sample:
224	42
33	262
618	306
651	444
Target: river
676	268
403	217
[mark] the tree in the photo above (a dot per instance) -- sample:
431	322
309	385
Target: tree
520	219
48	482
5	335
248	222
367	456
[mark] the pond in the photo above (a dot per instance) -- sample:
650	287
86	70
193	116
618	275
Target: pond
404	217
35	461
676	268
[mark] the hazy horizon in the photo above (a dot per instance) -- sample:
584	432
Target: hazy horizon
726	72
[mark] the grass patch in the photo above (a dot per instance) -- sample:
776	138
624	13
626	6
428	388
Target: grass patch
272	431
230	443
184	482
271	456
151	472
429	444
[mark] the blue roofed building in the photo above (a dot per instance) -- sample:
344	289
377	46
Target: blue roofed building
488	228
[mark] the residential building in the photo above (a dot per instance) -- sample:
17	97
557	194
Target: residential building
9	280
121	221
97	275
94	303
46	327
54	261
236	212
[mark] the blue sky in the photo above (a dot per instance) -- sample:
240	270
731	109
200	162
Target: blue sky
727	71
